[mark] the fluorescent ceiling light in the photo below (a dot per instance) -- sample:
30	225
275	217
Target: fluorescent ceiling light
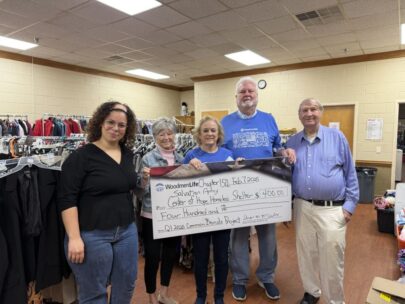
131	7
16	44
147	74
403	33
247	58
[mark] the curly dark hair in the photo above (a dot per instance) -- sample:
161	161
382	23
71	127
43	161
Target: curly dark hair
94	127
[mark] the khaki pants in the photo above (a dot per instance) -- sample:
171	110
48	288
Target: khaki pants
320	240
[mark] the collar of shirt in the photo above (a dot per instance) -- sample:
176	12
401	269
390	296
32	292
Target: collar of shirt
318	136
244	116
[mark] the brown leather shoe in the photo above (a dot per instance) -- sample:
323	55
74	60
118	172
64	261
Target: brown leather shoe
309	299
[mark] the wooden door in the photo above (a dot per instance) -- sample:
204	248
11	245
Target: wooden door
343	116
216	114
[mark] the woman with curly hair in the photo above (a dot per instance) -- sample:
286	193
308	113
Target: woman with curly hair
101	243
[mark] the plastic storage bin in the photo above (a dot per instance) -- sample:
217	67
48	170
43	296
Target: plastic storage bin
366	177
385	220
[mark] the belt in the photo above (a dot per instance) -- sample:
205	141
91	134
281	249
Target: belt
325	203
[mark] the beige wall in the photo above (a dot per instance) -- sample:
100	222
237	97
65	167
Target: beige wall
374	87
34	90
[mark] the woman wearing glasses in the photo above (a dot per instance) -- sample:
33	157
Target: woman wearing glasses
101	243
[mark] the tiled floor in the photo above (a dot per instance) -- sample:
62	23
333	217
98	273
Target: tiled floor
368	254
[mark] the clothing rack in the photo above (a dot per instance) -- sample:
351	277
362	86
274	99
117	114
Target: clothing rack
63	116
45	161
46	116
8	116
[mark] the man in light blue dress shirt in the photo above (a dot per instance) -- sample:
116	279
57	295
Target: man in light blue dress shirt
326	190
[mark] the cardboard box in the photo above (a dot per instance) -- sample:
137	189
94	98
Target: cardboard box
384	291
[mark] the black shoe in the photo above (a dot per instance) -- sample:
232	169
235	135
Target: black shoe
309	299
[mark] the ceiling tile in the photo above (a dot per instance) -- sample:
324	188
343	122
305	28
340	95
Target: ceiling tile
196	9
112	48
258	43
73	22
368	7
329	29
301	45
347	54
337	39
296	7
72	57
106	33
382	49
83	40
226	48
201	53
278	25
161	52
135	43
238	3
189	29
14	21
93	53
208	40
375	20
61	4
4	30
379	43
340	48
175	67
182	46
160	37
223	21
99	13
133	26
379	33
29	8
63	45
241	34
294	35
162	17
44	29
261	11
138	56
309	52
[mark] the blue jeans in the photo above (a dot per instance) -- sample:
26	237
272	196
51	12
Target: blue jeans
110	256
201	249
239	261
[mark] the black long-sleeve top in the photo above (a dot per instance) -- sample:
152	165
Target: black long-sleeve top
99	187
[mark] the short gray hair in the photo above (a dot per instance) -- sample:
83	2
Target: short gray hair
161	124
306	100
245	79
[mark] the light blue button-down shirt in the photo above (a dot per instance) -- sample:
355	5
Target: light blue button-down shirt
324	169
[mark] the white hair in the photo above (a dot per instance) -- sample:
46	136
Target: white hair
307	100
243	80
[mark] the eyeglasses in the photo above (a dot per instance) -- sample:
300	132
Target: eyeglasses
112	124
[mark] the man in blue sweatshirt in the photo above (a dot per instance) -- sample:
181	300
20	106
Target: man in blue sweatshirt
251	134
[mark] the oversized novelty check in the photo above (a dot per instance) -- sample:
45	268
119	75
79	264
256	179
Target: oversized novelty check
221	196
